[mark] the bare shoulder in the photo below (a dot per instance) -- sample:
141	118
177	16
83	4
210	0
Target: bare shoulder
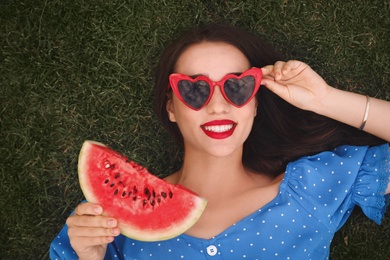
263	180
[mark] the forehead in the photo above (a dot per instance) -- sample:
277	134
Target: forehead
213	59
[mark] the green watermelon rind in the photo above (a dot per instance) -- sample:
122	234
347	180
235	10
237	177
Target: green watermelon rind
132	231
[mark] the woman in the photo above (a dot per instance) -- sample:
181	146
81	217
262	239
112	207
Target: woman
280	177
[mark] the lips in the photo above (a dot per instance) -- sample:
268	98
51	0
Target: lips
219	129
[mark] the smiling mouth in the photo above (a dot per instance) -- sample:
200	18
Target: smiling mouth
219	128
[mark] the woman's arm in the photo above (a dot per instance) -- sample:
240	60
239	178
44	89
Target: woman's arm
301	86
350	108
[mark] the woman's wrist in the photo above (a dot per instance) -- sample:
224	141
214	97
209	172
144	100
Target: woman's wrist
347	107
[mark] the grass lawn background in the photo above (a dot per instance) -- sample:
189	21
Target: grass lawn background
77	70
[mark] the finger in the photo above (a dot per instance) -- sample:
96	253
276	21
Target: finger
279	89
75	231
85	242
88	209
288	66
268	70
294	67
91	221
278	67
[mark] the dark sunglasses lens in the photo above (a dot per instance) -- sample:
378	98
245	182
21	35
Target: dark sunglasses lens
239	91
195	94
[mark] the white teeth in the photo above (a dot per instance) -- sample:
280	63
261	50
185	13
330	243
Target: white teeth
218	128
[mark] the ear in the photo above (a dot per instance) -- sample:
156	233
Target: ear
171	111
257	103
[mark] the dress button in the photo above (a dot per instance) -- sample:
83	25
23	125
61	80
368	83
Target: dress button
212	250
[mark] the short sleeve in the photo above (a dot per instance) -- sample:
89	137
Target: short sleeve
330	184
371	183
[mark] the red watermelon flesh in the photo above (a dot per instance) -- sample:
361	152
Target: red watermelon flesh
146	207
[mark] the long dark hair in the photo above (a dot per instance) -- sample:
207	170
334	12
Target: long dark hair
281	132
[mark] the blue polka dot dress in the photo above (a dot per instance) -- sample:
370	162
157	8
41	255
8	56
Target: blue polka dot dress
315	199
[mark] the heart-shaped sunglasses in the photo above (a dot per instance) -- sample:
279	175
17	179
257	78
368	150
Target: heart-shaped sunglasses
238	90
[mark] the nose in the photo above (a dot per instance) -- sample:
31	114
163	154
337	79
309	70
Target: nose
217	104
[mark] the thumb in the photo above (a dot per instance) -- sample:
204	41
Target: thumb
279	89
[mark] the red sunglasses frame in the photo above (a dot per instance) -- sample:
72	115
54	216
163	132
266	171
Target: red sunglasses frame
174	79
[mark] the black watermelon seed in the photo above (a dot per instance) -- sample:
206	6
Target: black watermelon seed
144	202
112	184
147	193
129	193
106	181
116	192
170	194
123	193
117	175
163	194
152	202
134	198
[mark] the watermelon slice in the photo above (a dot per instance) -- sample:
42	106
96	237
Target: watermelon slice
146	207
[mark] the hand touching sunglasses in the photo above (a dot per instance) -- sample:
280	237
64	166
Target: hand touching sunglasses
238	90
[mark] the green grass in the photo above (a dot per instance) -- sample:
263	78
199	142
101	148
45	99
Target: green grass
76	70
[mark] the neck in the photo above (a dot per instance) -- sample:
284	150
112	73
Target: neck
213	177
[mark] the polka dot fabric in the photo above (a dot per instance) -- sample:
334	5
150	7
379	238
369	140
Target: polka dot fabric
315	199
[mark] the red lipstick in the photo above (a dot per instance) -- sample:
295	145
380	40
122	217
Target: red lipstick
219	129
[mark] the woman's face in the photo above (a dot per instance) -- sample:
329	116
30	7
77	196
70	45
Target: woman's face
219	128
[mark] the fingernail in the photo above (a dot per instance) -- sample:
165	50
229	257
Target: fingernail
97	210
115	231
111	223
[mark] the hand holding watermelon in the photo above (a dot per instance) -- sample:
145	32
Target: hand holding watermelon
144	206
90	232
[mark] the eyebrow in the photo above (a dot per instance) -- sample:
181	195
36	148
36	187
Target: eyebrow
198	75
